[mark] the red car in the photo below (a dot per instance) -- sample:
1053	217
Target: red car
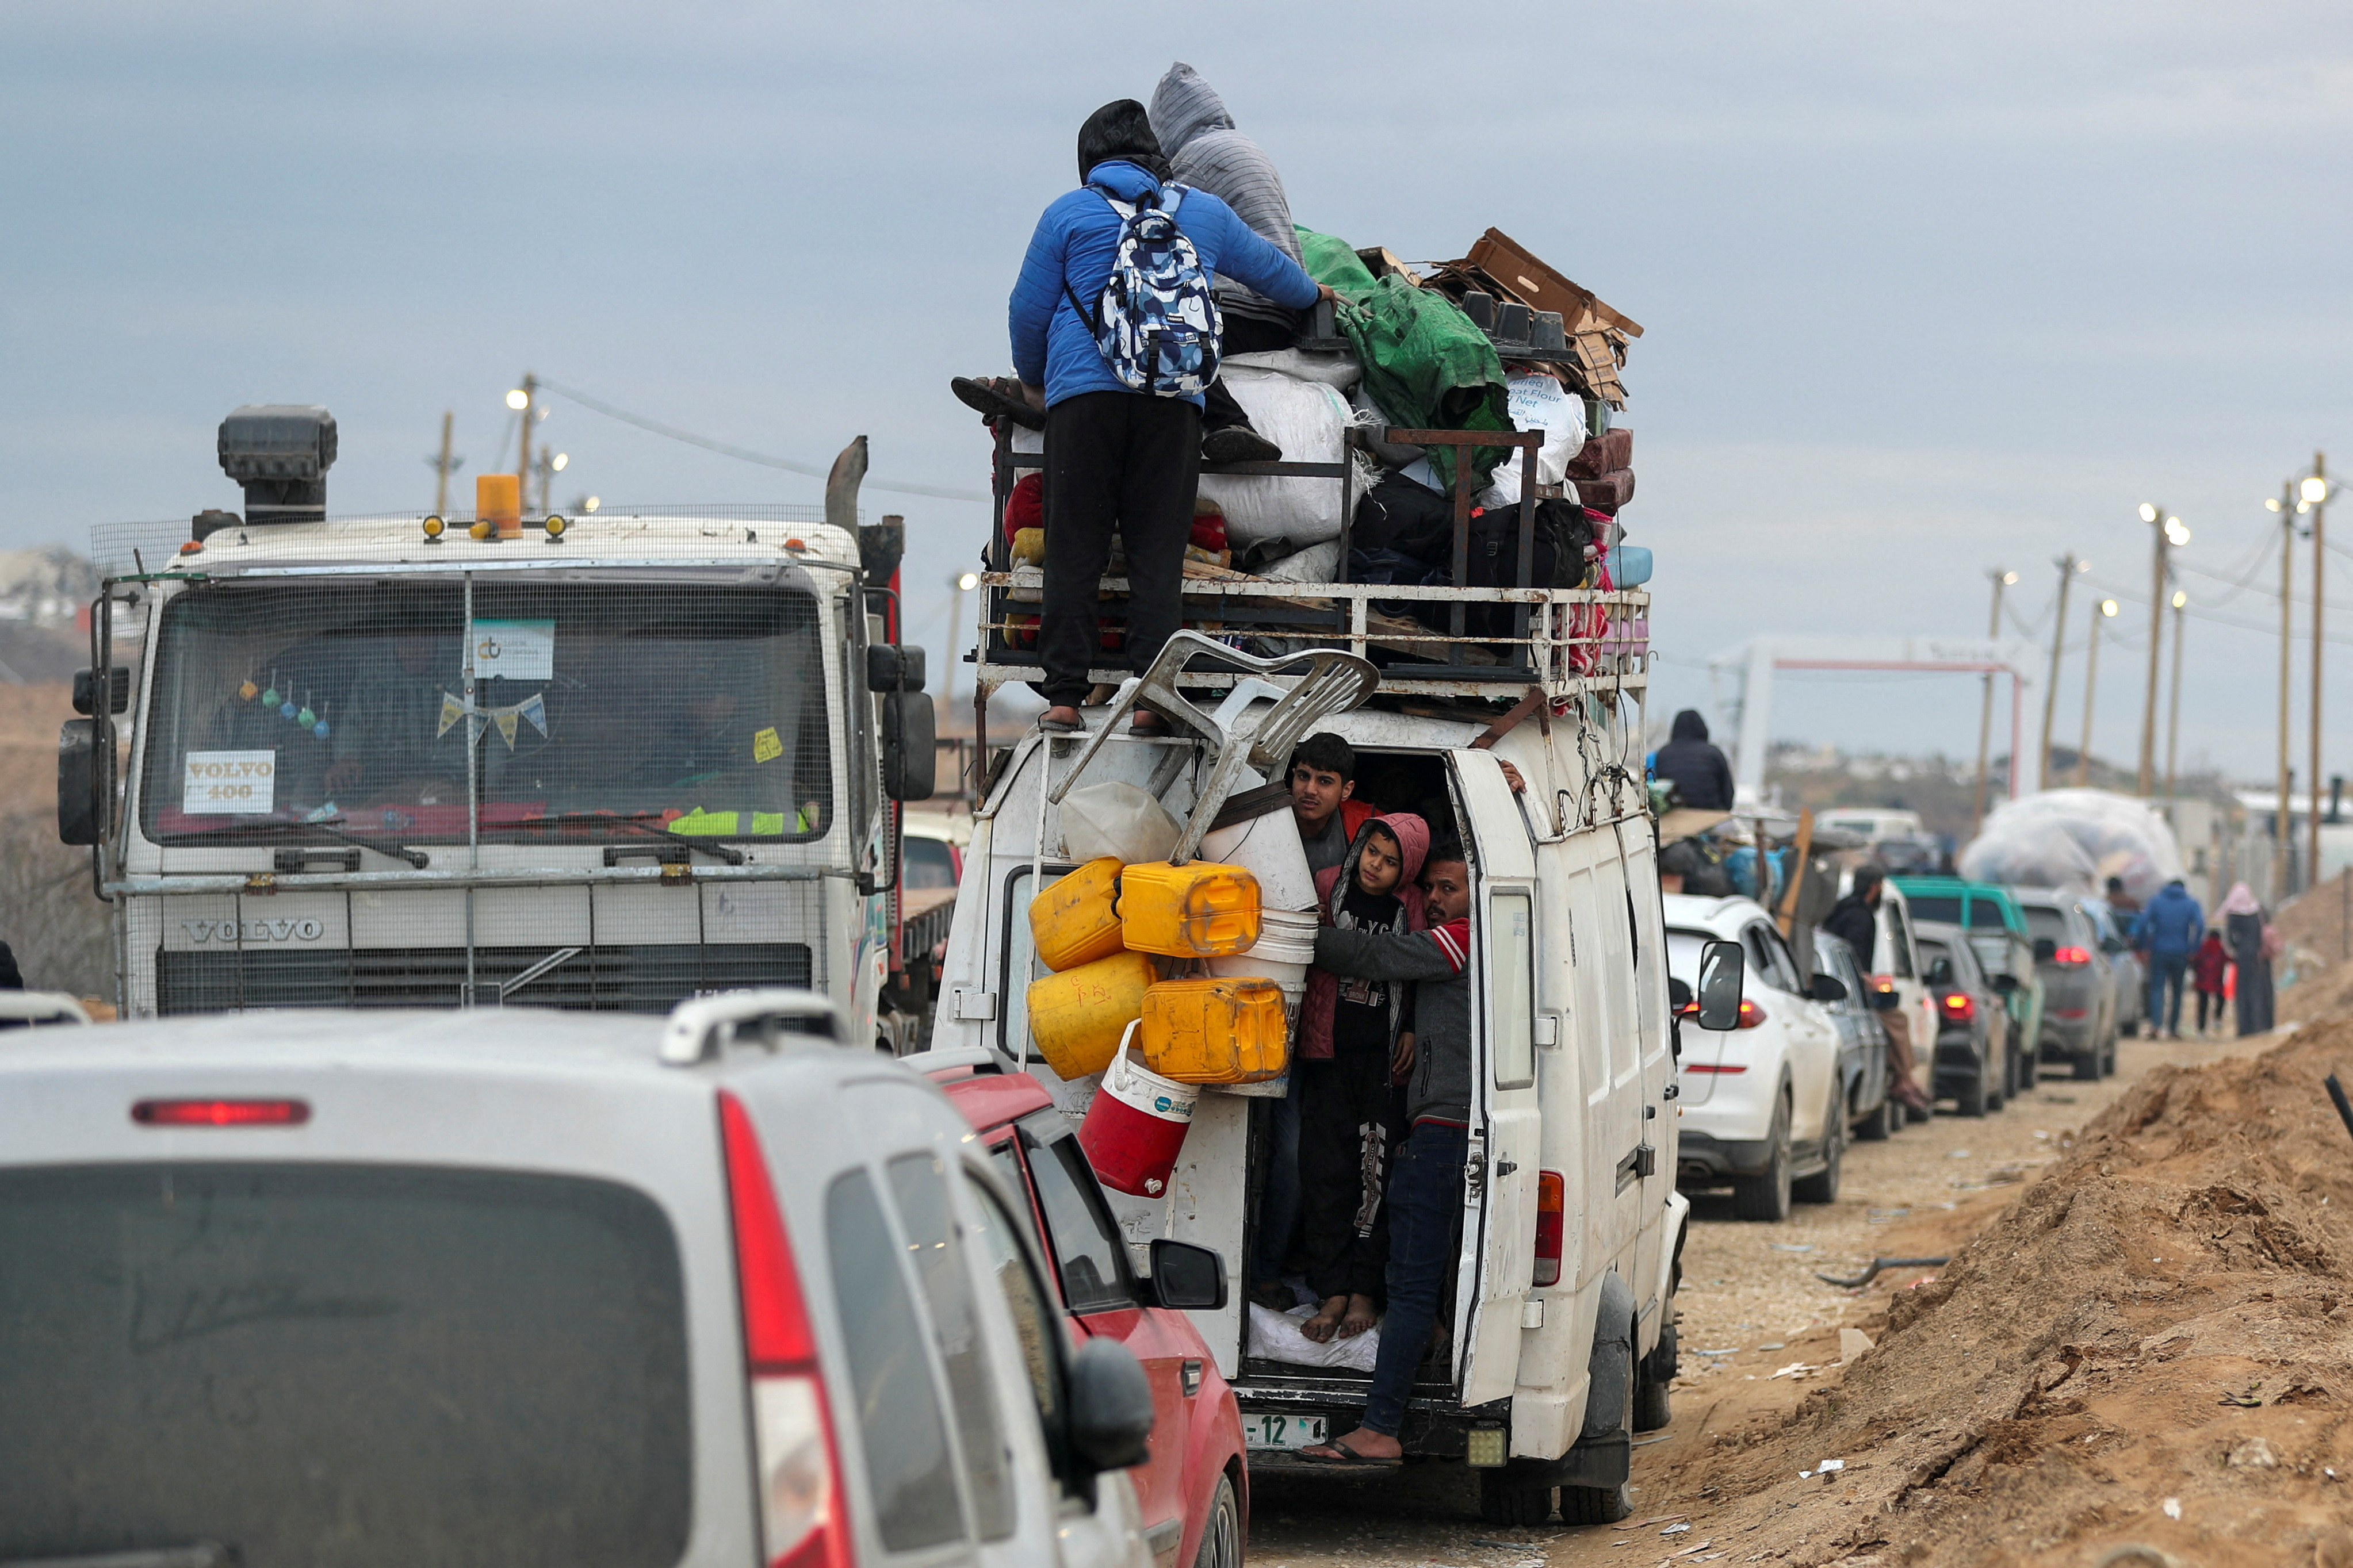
1195	1490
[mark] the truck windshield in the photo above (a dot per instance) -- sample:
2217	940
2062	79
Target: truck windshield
698	710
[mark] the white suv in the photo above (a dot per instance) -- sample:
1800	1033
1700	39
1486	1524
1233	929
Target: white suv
520	1286
1763	1110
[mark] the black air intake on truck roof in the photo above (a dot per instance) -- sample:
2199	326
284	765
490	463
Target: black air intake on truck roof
280	453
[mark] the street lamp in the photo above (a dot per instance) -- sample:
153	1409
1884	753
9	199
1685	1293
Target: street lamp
518	400
2104	610
2173	718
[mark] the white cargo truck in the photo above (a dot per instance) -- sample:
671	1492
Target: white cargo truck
608	762
1559	1341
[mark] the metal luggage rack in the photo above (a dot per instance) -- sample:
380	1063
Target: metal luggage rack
1542	650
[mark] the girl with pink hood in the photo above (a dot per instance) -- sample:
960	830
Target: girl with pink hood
1351	1036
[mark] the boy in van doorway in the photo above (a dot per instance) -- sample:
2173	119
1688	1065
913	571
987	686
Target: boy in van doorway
1348	1039
1323	787
1425	1188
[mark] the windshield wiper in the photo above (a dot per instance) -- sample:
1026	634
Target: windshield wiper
645	821
198	1554
417	857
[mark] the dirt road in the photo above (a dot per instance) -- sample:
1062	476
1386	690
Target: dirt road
1761	1334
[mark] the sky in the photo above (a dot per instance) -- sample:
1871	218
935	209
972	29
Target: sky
1927	291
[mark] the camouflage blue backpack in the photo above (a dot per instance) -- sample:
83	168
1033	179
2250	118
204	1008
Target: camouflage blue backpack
1155	323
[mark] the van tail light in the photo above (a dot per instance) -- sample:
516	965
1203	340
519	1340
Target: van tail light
2071	956
1958	1006
802	1519
1551	1202
221	1112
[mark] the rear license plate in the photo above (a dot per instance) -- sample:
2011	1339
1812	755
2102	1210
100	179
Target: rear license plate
1281	1431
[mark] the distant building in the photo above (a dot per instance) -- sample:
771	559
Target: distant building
47	585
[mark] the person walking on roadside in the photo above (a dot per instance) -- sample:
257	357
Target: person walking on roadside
2242	932
1854	920
1119	458
1702	777
2208	969
2169	930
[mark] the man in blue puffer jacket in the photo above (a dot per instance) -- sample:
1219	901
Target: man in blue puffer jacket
2168	930
1116	457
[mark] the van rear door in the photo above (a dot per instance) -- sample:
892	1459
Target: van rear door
1500	1194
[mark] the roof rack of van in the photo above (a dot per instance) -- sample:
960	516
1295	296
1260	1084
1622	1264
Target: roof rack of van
1477	642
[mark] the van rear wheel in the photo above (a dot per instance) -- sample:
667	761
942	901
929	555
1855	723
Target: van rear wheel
1766	1195
1503	1502
1654	1377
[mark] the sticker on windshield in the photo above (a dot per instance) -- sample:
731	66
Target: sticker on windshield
228	784
765	746
519	650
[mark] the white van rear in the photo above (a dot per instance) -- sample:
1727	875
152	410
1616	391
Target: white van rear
1561	1343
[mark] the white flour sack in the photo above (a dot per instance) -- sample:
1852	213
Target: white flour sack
1308	420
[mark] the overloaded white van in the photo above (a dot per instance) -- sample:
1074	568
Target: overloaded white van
1562	1342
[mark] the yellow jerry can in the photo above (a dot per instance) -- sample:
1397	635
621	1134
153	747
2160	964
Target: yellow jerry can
1076	921
1077	1016
1200	911
1215	1030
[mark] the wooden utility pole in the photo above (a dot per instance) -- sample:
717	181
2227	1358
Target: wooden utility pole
2282	816
2319	555
443	466
2091	684
2173	721
2002	578
523	452
2067	565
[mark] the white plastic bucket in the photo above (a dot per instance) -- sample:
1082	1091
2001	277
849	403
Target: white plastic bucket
1283	952
1269	847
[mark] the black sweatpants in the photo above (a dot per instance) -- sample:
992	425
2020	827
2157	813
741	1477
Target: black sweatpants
1120	461
1343	1151
1243	335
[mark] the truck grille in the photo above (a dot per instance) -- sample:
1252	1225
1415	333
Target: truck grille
611	979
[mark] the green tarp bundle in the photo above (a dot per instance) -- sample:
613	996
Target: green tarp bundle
1425	363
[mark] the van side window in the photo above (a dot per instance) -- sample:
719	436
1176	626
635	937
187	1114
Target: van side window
1078	1229
919	1185
1035	1323
908	1468
1511	941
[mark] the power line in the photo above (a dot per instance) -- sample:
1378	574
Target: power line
744	454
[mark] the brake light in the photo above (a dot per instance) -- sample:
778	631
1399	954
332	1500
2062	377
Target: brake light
1751	1015
1958	1006
2071	956
1551	1202
221	1112
802	1519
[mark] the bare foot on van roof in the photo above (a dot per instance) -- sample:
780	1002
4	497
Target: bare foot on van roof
1360	1317
1327	1321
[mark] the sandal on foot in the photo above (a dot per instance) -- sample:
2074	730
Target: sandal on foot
990	401
1053	726
1342	1454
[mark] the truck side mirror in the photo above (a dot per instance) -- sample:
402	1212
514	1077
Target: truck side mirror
894	667
85	690
1187	1278
2045	949
910	746
1827	988
81	810
1110	1407
1723	973
1882	1001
